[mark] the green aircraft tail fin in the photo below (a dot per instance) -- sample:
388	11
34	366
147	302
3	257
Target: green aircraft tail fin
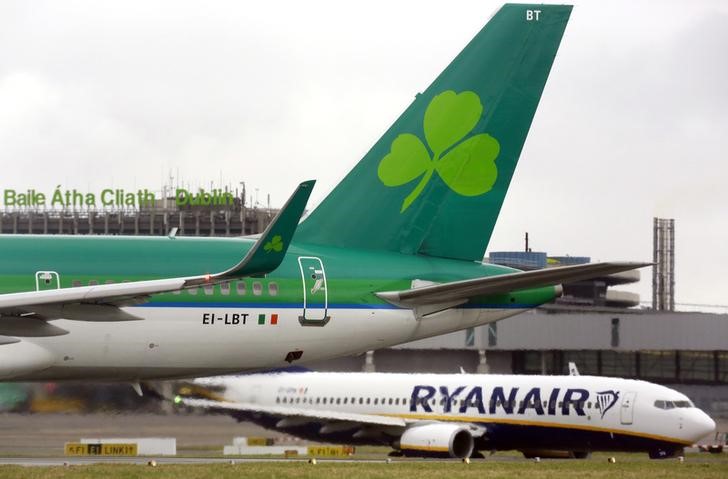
435	182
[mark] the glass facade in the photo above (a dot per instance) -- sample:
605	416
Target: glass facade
658	365
697	367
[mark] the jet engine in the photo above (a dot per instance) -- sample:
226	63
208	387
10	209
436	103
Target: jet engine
436	439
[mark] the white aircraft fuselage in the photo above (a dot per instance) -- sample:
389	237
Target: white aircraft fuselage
499	412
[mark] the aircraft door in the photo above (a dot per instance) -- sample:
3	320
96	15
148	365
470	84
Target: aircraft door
626	412
46	280
315	292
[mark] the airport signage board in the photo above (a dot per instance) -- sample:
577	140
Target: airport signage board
330	451
97	449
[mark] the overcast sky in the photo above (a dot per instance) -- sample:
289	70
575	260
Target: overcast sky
633	122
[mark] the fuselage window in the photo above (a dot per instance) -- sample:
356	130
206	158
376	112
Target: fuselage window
361	400
376	401
257	288
346	400
298	400
225	288
369	400
278	400
109	281
338	400
177	291
209	289
273	289
240	288
93	282
192	291
75	283
390	401
318	400
285	399
324	400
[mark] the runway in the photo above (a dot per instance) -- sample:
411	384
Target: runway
39	439
160	461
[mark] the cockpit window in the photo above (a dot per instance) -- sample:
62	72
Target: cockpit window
663	404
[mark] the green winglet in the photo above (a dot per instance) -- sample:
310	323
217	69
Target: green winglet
268	252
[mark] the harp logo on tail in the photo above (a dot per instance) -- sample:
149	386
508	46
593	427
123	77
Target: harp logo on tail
606	400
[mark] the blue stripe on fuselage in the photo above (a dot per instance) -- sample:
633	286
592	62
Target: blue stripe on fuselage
211	304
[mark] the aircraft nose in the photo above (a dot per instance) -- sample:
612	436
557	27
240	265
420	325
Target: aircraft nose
702	424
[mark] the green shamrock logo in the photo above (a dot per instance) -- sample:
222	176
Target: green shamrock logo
466	165
275	244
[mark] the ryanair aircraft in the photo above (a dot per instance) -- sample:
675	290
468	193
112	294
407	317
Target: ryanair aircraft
393	254
458	415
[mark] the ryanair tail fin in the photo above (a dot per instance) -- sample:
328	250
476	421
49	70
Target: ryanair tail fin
435	182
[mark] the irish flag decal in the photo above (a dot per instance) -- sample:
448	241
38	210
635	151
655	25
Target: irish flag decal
271	319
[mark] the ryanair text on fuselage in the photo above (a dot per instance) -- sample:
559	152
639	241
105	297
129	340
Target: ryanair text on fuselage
465	398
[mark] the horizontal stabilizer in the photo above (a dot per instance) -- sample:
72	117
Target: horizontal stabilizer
505	283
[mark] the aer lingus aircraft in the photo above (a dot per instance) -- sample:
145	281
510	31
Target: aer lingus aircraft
393	254
457	415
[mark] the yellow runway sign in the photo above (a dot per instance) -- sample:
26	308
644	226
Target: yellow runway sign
330	451
108	449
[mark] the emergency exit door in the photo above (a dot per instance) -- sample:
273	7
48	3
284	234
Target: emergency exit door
315	292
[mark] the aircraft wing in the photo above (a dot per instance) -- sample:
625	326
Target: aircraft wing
101	302
457	292
299	413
